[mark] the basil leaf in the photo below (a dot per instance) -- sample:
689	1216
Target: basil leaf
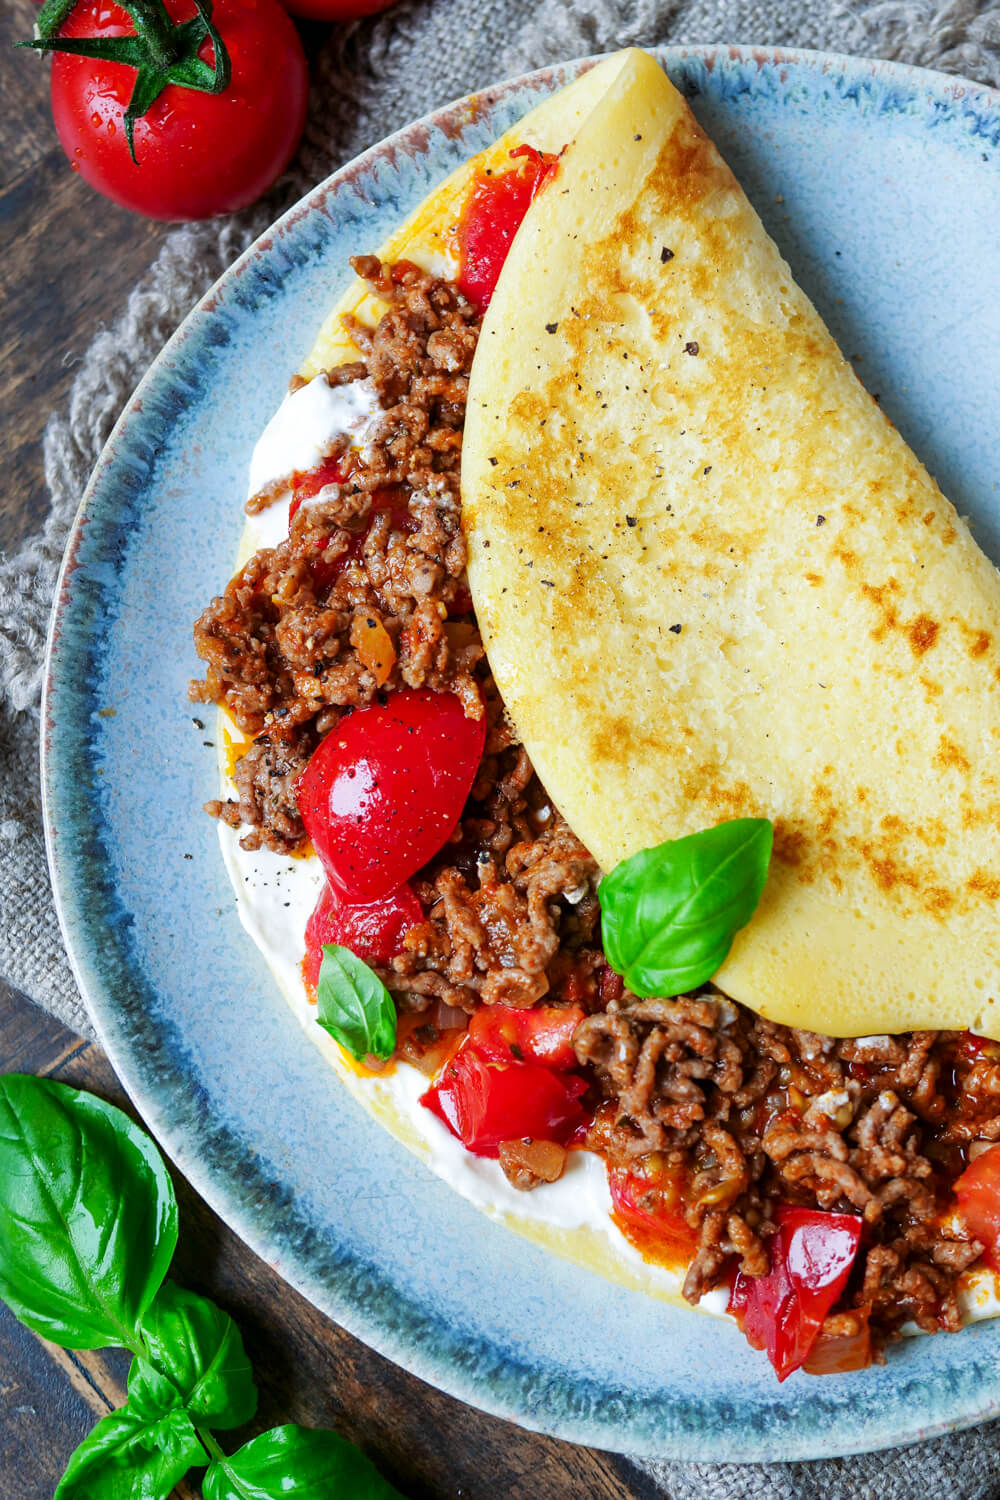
354	1005
194	1351
669	914
301	1461
88	1218
125	1458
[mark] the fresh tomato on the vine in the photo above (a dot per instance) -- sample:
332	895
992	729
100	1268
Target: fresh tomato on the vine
386	787
211	127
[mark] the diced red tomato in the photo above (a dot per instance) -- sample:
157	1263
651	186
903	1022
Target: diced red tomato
611	986
374	932
972	1047
493	216
386	787
306	485
837	1353
484	1105
811	1258
503	1034
978	1194
648	1210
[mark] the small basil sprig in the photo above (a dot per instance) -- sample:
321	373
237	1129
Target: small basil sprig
88	1226
128	1457
197	1348
354	1006
669	914
296	1461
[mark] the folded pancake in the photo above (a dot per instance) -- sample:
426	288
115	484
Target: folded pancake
713	581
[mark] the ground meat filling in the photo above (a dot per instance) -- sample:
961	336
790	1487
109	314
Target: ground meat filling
368	594
750	1114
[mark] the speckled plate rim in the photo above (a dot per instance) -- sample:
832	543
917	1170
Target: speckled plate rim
169	1098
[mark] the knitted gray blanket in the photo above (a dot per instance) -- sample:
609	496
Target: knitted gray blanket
372	78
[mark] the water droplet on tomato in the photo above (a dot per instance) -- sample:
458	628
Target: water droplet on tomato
95	119
111	127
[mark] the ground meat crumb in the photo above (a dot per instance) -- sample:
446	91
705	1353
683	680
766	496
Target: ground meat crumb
753	1114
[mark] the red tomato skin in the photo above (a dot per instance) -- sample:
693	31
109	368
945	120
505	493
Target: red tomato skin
662	1235
198	154
485	1105
384	789
811	1259
492	217
503	1034
374	933
978	1195
336	10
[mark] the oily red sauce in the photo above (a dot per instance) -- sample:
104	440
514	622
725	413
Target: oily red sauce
492	217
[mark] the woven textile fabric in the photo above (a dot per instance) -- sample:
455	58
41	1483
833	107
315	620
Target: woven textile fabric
371	79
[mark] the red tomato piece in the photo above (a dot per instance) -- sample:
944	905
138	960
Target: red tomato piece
374	932
305	486
503	1034
837	1353
811	1258
978	1194
493	216
385	788
198	154
649	1213
484	1105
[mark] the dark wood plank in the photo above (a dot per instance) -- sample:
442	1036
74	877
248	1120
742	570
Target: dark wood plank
308	1369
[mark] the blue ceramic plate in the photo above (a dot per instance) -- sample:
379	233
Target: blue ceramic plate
882	186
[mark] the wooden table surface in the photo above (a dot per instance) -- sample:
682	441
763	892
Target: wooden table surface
67	261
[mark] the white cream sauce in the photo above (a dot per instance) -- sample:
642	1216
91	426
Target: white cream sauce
276	894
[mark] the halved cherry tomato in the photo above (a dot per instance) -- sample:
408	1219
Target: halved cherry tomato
648	1211
811	1258
978	1194
374	932
484	1105
501	1033
385	788
493	216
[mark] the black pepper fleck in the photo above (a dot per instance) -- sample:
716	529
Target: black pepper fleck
494	462
631	521
821	520
676	629
691	347
666	255
551	327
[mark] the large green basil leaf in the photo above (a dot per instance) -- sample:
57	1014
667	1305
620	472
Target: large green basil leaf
126	1458
88	1218
195	1350
354	1005
297	1461
669	914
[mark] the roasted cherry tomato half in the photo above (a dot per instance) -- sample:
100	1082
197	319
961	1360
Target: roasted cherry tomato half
649	1212
374	932
501	1033
978	1194
811	1258
493	216
386	787
485	1105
